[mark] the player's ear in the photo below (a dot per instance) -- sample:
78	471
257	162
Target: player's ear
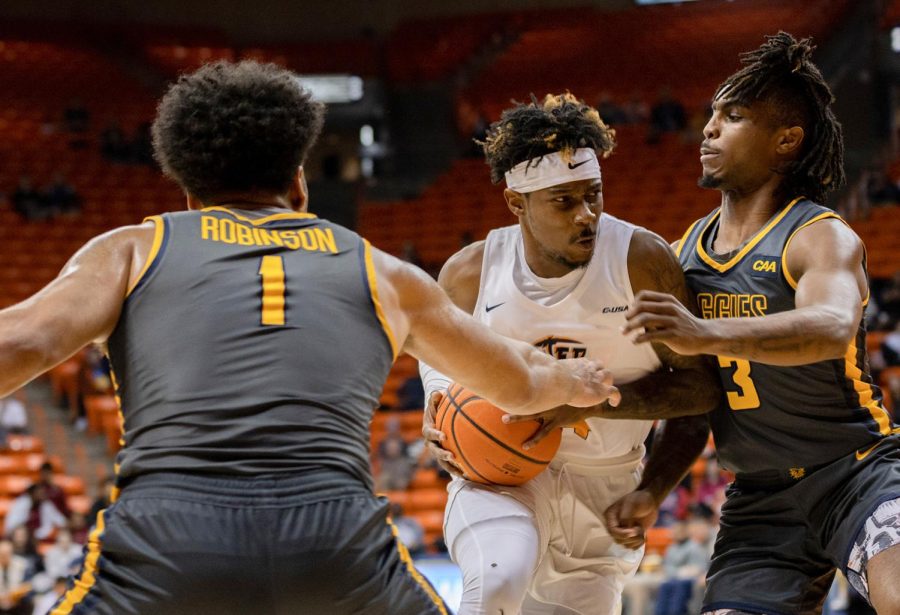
790	140
299	192
515	201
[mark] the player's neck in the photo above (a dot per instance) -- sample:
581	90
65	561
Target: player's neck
249	202
743	215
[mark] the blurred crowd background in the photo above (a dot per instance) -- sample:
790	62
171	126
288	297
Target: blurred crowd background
410	86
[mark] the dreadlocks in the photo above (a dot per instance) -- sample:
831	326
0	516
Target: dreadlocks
781	74
561	123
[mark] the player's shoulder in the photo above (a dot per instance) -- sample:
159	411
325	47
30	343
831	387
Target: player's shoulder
464	267
652	265
647	247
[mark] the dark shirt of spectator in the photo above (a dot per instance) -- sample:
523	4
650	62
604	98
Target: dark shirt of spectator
53	491
104	499
27	201
142	146
667	115
76	116
609	111
113	145
411	394
60	196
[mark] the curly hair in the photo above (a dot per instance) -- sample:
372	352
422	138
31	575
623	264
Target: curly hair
235	127
781	73
561	123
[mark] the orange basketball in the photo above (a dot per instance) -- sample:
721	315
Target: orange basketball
489	450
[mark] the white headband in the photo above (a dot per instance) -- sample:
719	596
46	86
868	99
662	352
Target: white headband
552	170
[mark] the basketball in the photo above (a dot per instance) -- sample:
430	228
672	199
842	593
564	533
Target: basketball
489	450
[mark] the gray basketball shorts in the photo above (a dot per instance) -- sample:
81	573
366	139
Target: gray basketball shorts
185	544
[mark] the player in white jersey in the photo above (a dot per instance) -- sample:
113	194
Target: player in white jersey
543	548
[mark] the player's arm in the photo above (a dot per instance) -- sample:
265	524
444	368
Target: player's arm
826	260
80	306
677	445
510	373
682	387
460	278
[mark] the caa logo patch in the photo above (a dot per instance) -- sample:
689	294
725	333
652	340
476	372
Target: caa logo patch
764	267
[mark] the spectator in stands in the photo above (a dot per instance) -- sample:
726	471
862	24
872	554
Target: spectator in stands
54	492
27	200
409	530
411	394
107	484
667	115
890	300
395	467
890	347
711	485
33	510
410	254
63	557
635	109
142	146
880	189
25	547
60	197
684	564
14	585
45	601
113	146
13	416
79	527
609	111
76	117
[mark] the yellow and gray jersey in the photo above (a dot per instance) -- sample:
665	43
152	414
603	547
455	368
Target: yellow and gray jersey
779	423
252	343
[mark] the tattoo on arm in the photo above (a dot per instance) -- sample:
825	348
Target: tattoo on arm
667	393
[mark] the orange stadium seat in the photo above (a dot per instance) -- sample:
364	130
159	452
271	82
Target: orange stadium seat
97	407
658	540
427	499
430	520
79	503
71	485
13	485
23	444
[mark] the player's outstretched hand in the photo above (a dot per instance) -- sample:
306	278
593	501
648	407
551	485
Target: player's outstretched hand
563	416
629	517
434	437
659	317
597	384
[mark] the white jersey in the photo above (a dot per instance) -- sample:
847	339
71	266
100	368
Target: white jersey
585	323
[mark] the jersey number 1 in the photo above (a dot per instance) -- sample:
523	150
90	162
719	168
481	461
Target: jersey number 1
748	398
271	269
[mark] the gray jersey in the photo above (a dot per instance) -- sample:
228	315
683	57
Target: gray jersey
253	343
779	422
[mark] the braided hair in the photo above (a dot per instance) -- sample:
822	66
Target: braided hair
781	73
561	123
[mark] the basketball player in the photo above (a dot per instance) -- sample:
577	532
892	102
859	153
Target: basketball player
781	285
251	341
561	280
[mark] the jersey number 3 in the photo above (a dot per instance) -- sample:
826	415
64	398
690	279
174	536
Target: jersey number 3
271	269
747	398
